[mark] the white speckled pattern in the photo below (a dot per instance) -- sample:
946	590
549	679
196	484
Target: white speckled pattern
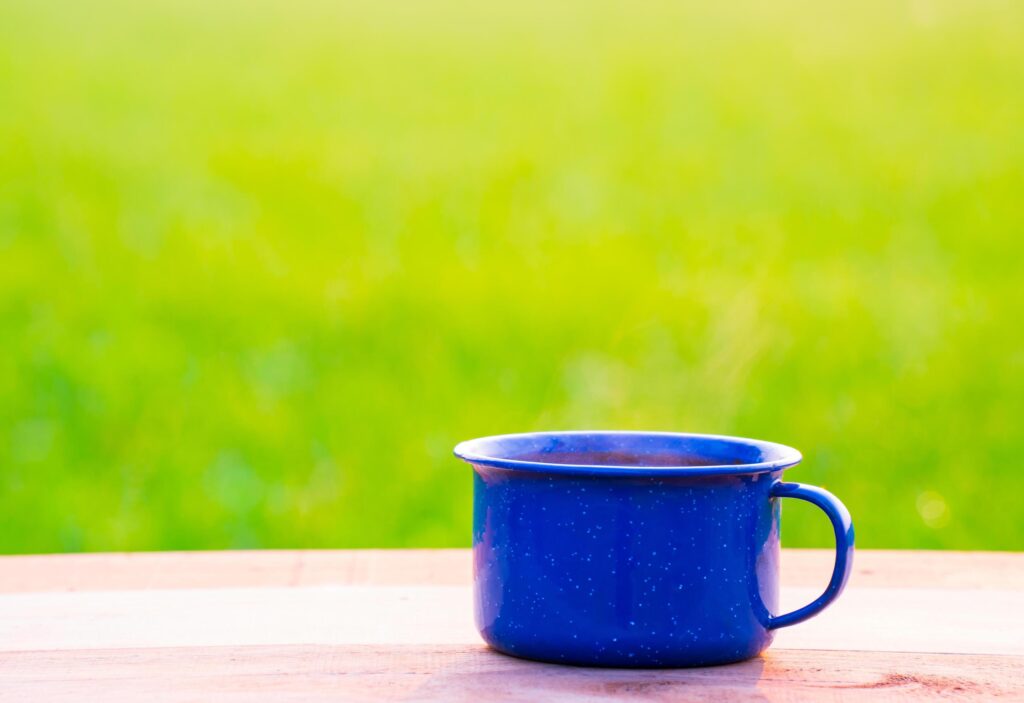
625	572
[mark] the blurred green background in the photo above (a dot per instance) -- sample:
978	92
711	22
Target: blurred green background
263	263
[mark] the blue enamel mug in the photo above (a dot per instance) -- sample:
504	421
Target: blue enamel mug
635	549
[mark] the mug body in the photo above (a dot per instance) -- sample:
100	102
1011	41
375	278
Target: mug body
641	563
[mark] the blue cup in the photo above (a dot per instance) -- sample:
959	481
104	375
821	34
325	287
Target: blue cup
635	549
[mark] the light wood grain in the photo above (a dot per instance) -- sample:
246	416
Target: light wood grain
914	620
144	570
375	625
473	673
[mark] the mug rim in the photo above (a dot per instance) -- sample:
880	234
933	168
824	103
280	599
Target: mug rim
773	456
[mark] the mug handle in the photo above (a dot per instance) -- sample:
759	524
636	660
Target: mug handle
843	526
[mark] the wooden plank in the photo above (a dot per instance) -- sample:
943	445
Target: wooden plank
473	673
167	570
373	625
879	619
144	570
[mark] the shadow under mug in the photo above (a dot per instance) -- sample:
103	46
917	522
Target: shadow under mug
635	549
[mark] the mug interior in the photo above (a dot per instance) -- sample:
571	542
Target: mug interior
629	452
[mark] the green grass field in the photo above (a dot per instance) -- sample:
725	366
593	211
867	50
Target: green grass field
262	264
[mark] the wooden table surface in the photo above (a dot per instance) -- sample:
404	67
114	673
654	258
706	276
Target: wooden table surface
397	625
